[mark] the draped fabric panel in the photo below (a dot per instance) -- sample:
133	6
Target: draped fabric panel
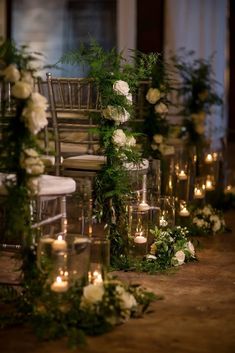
201	25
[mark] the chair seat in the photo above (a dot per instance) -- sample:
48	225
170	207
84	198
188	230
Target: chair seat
55	185
84	162
49	185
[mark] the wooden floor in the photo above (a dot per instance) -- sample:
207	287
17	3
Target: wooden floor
196	315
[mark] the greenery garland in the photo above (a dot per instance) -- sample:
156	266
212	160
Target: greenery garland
117	81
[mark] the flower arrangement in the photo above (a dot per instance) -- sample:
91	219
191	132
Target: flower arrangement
116	82
82	310
19	149
156	126
197	94
208	220
171	247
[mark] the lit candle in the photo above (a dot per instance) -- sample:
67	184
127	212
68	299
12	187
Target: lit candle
182	175
139	238
209	185
209	158
143	206
229	189
198	194
97	277
184	212
59	244
59	285
163	222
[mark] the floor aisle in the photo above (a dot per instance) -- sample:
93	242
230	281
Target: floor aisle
197	314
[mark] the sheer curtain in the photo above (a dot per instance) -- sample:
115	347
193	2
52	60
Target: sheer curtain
201	25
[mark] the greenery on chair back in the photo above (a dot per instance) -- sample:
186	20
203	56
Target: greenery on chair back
117	81
197	95
23	116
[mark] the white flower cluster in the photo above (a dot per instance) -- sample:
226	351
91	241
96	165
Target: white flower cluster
34	113
98	294
120	139
154	96
122	88
208	219
158	144
173	245
118	114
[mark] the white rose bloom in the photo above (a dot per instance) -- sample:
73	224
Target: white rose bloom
31	152
121	87
161	108
158	138
37	100
199	222
180	257
128	300
130	141
119	138
190	247
33	165
153	95
216	226
119	114
206	210
35	119
11	73
21	90
27	77
92	293
33	185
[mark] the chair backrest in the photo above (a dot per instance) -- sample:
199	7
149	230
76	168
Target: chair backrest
74	104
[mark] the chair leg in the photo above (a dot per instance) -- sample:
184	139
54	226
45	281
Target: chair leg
64	221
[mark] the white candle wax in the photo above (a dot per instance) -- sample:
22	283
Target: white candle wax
209	185
184	212
97	277
140	239
182	175
59	244
59	285
209	158
163	222
143	206
198	194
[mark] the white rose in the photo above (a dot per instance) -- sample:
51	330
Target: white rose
33	166
121	87
35	119
190	247
158	138
130	141
119	114
21	90
33	185
216	226
128	300
11	73
37	100
206	210
27	77
93	293
153	95
31	152
161	108
119	138
166	150
180	257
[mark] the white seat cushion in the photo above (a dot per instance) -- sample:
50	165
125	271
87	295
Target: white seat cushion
84	162
49	185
